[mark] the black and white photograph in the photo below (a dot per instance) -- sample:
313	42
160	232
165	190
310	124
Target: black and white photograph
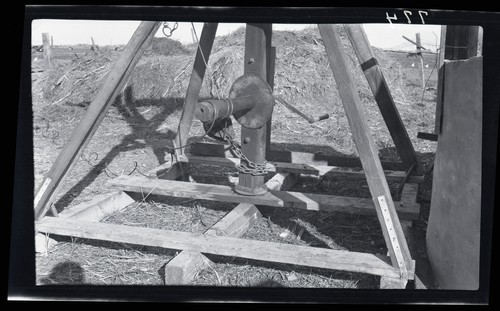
230	154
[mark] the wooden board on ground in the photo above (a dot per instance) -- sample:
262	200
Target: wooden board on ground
96	209
309	169
186	265
307	201
224	246
218	150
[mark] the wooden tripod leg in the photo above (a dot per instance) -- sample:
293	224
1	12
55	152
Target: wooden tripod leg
180	167
194	87
84	131
383	97
379	189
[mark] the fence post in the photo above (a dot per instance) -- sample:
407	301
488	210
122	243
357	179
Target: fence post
47	50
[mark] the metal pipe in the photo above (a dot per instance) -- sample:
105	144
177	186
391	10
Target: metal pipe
207	111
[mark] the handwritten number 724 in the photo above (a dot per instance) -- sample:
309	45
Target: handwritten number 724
407	15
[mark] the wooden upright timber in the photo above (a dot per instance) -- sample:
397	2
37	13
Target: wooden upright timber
307	201
382	94
375	177
96	112
219	245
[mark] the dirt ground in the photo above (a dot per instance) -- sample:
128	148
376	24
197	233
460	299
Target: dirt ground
133	138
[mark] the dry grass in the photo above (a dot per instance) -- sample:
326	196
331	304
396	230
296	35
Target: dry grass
134	136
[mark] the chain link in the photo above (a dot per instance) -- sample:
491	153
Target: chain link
169	30
246	166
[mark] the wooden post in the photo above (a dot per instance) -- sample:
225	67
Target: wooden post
51	41
379	189
47	51
383	97
457	42
194	87
253	141
82	134
419	52
439	97
93	47
270	80
461	42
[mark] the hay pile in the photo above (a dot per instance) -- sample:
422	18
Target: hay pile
302	77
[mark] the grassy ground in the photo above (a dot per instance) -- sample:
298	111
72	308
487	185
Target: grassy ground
136	131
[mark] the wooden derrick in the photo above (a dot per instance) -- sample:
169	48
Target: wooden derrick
224	238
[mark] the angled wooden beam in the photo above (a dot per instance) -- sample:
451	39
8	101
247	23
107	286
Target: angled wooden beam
382	94
379	189
193	91
220	245
307	201
115	81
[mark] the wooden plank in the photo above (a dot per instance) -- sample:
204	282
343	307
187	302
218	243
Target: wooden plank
236	222
383	96
219	150
184	267
392	283
96	209
85	130
99	207
409	194
365	145
282	181
427	136
193	91
317	170
307	201
225	246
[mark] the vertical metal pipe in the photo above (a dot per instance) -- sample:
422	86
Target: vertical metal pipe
253	141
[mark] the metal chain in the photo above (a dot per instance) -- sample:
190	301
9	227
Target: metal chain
246	166
170	30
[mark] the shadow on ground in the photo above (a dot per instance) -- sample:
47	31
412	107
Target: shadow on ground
67	273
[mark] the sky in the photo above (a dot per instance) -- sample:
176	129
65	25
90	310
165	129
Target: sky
70	32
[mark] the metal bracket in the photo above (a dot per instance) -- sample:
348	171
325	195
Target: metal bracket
393	237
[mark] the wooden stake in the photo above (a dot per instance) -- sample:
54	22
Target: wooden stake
47	50
365	145
95	114
421	57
